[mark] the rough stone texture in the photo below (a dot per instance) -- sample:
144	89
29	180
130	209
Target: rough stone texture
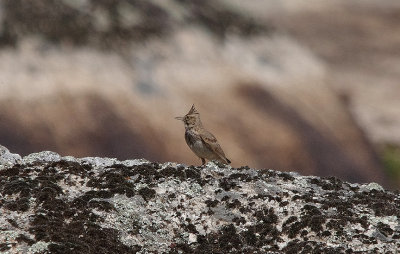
7	158
60	204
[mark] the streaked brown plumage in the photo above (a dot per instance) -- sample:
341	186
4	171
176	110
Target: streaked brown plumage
201	141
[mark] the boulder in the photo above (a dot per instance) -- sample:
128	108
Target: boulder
56	204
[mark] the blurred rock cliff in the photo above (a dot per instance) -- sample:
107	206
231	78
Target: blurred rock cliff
107	78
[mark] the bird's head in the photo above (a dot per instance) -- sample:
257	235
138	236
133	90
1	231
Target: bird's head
191	119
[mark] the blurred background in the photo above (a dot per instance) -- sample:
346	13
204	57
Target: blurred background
308	86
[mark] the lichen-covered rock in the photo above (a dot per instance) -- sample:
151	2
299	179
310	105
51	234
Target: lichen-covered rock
60	204
7	158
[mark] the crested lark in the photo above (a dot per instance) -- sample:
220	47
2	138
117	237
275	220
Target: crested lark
201	141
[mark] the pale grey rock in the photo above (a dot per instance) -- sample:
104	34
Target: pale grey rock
138	206
45	156
371	186
7	158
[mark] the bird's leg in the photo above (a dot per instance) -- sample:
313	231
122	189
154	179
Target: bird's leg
203	161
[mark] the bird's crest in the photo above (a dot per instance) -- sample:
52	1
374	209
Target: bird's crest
193	111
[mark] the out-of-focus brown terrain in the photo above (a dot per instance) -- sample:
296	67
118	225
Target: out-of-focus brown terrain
291	86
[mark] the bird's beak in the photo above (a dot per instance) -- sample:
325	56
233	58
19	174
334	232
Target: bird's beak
179	118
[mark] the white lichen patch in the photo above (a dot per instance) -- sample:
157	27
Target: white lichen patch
74	186
45	156
38	247
371	186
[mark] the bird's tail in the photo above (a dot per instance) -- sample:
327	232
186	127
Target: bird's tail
224	160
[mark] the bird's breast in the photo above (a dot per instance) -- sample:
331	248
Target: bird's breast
196	145
200	149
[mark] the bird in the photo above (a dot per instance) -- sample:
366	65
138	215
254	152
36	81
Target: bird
202	142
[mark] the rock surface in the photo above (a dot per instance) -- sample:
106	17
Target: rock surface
7	158
60	204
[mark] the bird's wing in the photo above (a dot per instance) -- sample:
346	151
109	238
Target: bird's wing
211	143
